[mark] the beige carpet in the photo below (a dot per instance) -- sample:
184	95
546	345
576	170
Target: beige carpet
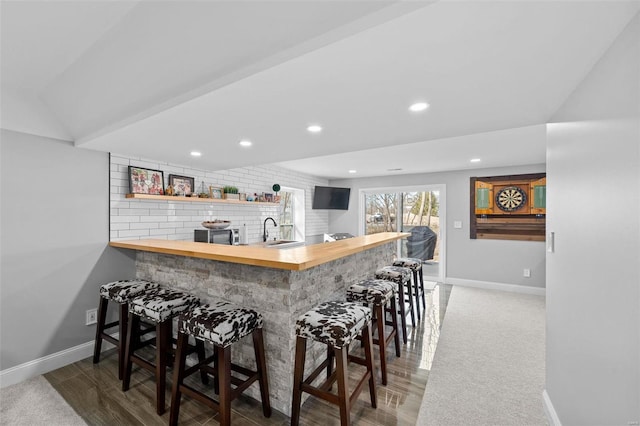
489	364
35	402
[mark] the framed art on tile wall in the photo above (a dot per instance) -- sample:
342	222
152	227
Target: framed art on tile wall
215	192
146	181
182	185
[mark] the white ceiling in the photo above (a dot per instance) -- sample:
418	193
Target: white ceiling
158	79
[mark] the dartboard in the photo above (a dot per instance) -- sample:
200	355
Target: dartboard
511	198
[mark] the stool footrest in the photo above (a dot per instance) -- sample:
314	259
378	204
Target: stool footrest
358	388
241	384
317	372
111	324
109	338
357	360
209	402
322	391
318	393
143	363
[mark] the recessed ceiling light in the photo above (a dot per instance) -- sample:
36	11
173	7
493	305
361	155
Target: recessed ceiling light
352	171
418	106
245	143
394	170
314	128
196	153
475	160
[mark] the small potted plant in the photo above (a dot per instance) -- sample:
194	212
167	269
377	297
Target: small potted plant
231	193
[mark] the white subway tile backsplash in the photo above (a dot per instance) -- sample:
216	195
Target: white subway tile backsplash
176	220
133	212
118	226
134	233
153	218
126	219
119	160
155	232
144	225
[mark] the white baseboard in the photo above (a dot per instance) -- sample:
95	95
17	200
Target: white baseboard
43	365
497	286
552	416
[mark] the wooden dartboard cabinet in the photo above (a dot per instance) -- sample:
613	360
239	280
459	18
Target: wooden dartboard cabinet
509	207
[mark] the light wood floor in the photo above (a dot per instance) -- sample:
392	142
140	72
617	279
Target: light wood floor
94	391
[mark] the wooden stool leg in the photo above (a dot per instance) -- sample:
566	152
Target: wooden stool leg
258	347
416	292
201	357
122	329
298	371
216	379
424	304
343	383
411	297
131	326
163	331
368	354
403	313
178	377
102	318
394	323
330	356
382	342
224	372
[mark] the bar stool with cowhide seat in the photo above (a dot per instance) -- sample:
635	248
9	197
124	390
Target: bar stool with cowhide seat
415	265
221	324
119	292
402	278
335	324
379	293
159	307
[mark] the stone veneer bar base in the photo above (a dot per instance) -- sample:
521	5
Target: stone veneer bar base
281	296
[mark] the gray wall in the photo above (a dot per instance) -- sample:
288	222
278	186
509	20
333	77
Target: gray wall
494	261
593	280
54	253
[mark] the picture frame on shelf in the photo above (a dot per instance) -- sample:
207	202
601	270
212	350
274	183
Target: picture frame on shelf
215	192
146	181
243	196
182	185
268	198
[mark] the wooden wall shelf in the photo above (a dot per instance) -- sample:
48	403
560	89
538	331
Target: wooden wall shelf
196	199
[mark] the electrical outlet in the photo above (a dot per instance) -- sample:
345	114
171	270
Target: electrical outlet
92	316
527	273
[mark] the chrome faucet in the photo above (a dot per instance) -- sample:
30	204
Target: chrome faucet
265	234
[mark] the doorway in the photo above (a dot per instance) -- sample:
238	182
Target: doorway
418	210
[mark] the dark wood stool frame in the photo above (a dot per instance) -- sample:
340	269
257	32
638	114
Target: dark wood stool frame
221	371
410	298
322	391
119	343
402	303
418	290
163	343
379	318
421	278
101	334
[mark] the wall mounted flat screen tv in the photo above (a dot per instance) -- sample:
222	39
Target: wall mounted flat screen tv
327	197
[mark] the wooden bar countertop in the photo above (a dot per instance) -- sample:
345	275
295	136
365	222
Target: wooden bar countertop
294	259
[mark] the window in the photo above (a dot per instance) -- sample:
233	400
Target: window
414	209
292	214
287	224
